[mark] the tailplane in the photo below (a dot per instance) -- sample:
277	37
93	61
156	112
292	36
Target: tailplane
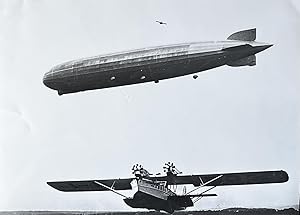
247	61
245	35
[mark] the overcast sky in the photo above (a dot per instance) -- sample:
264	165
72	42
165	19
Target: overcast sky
228	120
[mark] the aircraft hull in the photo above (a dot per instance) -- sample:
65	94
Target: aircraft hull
146	65
144	200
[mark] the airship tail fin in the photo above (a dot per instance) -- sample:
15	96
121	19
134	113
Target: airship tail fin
245	35
247	61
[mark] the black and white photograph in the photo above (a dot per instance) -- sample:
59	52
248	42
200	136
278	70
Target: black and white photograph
149	107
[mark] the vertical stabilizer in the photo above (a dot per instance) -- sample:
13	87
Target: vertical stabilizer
246	35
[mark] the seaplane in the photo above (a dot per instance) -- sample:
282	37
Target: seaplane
158	192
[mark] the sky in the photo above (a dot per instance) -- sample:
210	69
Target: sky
230	119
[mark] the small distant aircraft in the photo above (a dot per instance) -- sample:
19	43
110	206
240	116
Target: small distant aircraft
159	192
162	23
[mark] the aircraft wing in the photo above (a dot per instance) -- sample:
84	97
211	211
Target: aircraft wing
91	185
222	179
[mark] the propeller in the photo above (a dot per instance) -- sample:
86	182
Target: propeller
136	168
170	168
139	171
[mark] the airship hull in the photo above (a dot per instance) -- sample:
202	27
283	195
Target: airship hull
151	64
102	76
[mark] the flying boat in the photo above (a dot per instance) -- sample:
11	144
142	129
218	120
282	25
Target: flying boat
159	192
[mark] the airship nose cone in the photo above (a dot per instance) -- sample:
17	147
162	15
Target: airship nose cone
48	79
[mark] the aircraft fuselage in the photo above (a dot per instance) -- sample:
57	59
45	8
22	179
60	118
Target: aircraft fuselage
156	196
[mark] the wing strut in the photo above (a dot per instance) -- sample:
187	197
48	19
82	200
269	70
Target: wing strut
204	184
110	188
201	194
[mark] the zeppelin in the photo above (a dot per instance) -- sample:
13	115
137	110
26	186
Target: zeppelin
153	64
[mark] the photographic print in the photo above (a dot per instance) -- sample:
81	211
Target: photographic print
149	107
